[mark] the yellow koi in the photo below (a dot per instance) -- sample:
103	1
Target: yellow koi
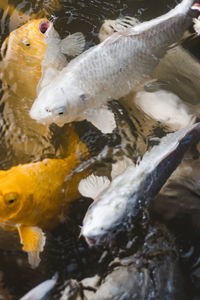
36	196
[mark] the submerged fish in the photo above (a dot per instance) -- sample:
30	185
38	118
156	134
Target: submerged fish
120	203
165	107
33	50
41	291
110	70
36	196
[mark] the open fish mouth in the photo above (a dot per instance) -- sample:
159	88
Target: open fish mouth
44	26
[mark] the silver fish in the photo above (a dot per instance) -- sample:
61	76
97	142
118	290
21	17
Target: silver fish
122	202
110	70
41	291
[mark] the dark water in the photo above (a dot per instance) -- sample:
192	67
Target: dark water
65	252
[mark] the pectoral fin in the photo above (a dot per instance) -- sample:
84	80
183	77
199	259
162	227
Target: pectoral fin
103	119
73	45
93	185
33	241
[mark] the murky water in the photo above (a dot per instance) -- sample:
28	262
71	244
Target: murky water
22	141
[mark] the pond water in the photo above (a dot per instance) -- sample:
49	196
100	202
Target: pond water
23	141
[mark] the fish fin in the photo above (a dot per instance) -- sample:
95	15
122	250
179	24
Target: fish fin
118	25
73	44
48	74
120	166
155	85
93	185
103	119
33	240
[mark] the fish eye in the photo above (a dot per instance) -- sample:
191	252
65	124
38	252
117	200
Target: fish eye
60	110
83	97
25	42
10	198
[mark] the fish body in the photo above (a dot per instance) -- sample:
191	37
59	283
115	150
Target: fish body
36	196
123	62
117	207
32	50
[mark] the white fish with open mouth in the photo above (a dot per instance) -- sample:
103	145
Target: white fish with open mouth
119	203
110	70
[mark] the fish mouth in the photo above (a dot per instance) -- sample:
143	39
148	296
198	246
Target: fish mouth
44	26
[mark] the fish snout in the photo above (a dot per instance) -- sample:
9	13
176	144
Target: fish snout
94	240
46	114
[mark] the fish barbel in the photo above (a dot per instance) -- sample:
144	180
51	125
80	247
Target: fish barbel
110	70
120	203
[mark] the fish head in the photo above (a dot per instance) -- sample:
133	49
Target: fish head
103	220
23	52
60	102
15	195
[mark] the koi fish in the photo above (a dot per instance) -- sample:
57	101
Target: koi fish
36	196
117	205
123	62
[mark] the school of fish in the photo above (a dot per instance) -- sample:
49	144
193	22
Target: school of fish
35	197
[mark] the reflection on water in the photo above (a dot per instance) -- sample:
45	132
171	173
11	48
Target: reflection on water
23	140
